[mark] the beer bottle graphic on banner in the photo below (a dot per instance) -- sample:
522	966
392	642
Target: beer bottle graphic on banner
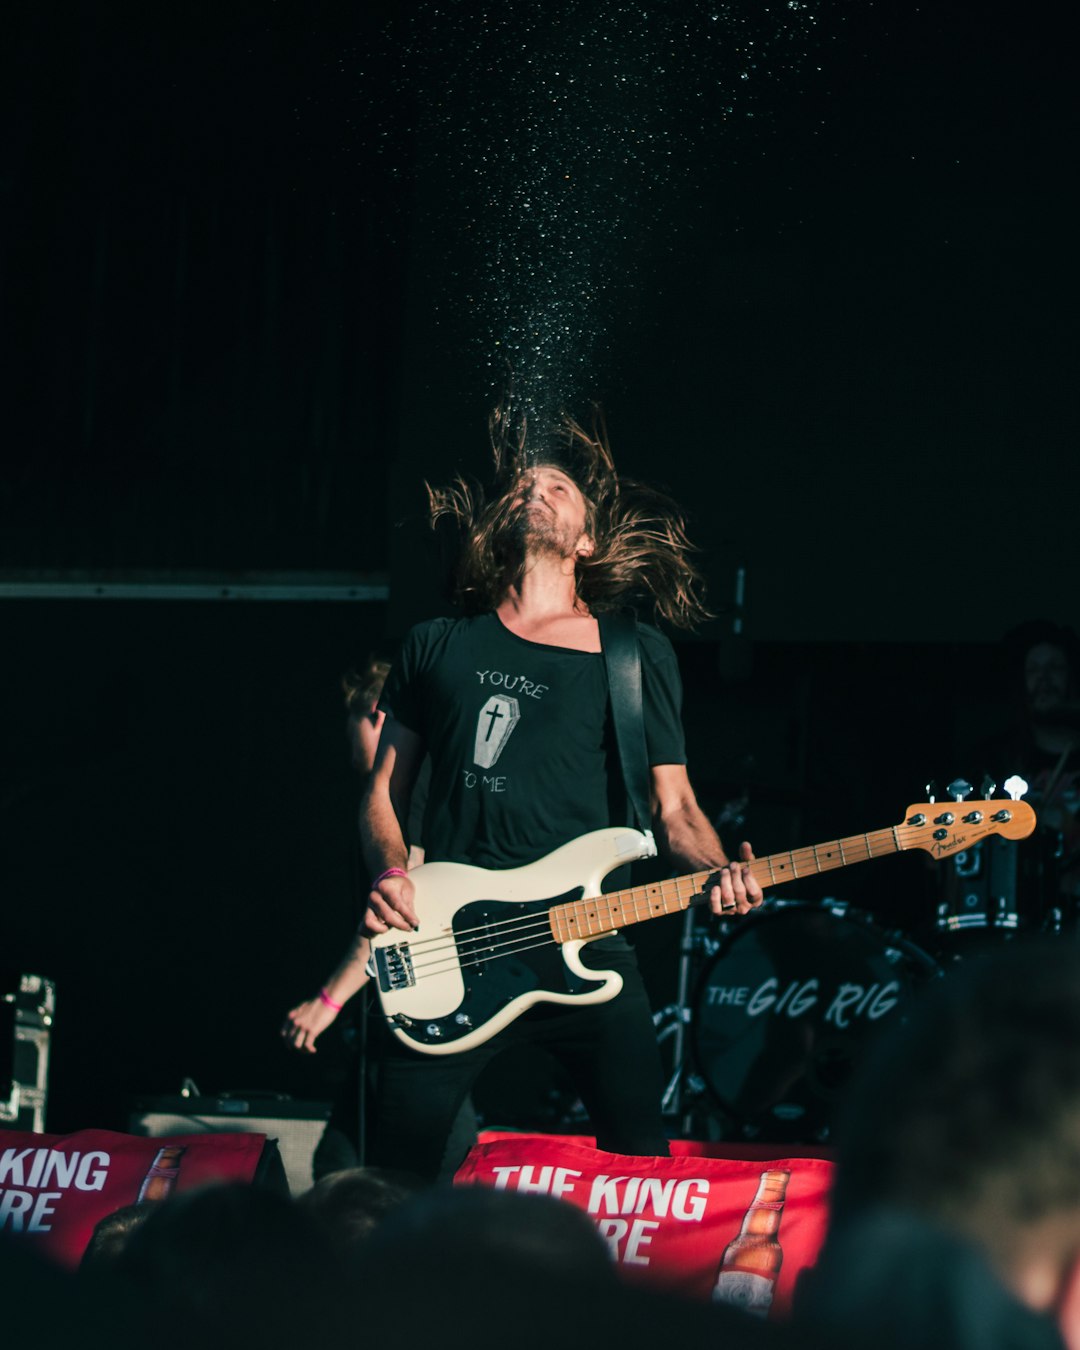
161	1178
752	1259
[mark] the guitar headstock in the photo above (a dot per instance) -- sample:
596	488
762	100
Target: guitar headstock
942	828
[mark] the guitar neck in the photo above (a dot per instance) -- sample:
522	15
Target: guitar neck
636	904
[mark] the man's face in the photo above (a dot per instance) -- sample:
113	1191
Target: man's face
549	513
1046	677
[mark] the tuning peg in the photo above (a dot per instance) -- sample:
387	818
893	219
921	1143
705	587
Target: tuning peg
958	789
931	791
987	787
1015	787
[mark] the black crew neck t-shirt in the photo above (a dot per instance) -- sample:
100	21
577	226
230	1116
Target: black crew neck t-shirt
523	756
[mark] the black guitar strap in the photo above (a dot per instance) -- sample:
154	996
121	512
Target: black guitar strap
619	640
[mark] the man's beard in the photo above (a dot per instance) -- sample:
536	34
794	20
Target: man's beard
532	528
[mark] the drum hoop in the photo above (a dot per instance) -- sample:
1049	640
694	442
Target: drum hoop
838	909
773	910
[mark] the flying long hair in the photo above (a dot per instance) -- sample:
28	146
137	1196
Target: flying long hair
642	554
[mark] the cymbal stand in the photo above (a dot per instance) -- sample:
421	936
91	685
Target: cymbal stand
672	1023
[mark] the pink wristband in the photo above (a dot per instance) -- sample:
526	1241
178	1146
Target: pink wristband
324	997
390	872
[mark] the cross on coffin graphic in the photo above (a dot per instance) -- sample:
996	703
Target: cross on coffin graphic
498	718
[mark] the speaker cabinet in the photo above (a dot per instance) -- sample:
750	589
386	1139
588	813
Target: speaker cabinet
296	1126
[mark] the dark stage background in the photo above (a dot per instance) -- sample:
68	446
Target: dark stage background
179	820
236	339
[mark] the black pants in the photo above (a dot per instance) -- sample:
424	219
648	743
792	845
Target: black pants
345	1142
608	1049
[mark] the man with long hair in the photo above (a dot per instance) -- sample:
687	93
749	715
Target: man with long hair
511	703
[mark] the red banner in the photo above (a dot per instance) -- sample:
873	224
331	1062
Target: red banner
54	1188
738	1229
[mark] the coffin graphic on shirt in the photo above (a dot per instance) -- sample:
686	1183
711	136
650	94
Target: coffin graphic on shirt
489	944
498	718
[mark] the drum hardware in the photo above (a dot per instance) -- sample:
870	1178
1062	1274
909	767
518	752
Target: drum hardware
998	889
671	1023
785	1009
973	909
995	890
784	1004
687	1099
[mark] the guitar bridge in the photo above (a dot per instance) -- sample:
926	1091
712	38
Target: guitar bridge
394	968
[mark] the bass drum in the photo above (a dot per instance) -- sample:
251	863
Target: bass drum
785	1008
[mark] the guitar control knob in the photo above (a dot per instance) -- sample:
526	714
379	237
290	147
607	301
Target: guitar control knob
433	1030
463	1019
946	818
400	1020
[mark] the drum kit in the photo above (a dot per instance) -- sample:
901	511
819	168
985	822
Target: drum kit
774	1010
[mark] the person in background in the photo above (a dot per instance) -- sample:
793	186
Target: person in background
498	1267
1044	744
342	1144
111	1235
229	1264
955	1212
1037	739
349	1205
305	1023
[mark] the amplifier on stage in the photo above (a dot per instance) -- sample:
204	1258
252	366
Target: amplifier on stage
27	1004
296	1126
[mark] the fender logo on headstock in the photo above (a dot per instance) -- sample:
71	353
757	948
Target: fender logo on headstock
949	845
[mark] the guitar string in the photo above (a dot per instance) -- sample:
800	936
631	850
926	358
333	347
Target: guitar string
639	895
511	949
477	943
540	923
531	925
476	950
524	924
518	928
608	901
450	964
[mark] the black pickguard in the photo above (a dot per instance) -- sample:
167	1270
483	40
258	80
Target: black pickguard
493	977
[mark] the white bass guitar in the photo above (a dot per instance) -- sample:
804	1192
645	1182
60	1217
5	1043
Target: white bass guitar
491	944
